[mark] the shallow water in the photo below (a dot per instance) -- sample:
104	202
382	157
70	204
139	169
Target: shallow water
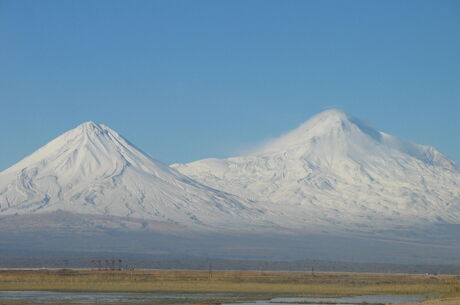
96	297
90	297
354	300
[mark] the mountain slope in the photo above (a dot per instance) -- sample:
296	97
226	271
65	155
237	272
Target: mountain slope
93	170
338	171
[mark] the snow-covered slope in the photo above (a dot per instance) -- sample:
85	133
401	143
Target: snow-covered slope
333	172
93	170
337	170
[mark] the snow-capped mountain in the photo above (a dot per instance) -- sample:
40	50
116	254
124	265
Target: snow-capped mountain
93	170
335	188
337	170
333	172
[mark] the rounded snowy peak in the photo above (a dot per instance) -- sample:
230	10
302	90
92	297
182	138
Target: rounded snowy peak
332	123
332	118
333	114
335	133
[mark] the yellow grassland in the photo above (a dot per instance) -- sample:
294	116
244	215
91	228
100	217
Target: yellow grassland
267	283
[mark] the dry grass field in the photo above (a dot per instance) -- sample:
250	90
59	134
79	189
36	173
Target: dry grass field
244	284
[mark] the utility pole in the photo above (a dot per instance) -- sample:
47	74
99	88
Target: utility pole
210	271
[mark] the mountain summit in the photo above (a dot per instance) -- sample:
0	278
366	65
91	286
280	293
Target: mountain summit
93	170
333	171
332	186
336	169
331	124
334	133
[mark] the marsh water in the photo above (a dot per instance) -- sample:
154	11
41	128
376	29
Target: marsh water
89	297
353	300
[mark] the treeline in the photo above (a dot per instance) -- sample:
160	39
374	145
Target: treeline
68	261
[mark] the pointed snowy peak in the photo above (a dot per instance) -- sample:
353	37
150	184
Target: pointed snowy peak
90	152
94	129
91	169
91	127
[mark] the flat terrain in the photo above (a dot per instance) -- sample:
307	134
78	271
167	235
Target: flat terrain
238	284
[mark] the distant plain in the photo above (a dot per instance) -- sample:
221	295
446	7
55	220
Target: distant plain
230	286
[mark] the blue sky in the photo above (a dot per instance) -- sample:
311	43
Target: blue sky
185	80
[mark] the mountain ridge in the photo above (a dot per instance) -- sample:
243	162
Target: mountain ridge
337	122
334	172
337	169
93	169
334	188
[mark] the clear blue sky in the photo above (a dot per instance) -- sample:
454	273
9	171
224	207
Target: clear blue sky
185	80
